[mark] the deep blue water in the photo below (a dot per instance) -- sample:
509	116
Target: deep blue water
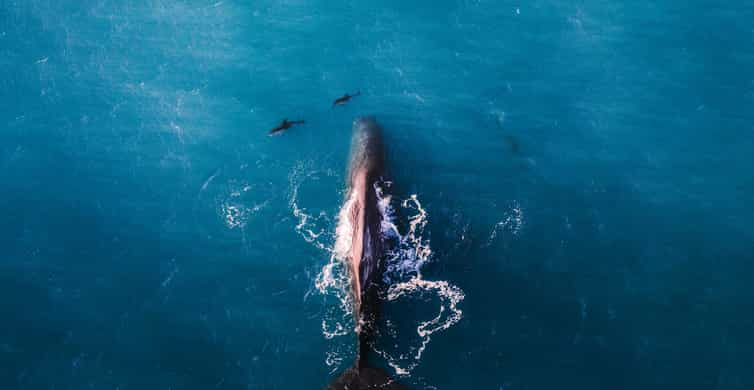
587	170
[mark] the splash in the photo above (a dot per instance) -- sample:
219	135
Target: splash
305	222
408	357
312	227
235	216
343	232
413	251
410	252
333	281
406	283
513	221
235	209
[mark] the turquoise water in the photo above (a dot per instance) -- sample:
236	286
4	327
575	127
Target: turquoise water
586	171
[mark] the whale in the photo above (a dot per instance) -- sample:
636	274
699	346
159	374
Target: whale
361	246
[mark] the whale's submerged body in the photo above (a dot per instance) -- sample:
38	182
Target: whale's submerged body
360	244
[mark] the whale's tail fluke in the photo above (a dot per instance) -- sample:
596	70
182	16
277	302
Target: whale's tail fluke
363	378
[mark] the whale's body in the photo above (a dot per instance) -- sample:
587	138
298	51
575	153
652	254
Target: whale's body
360	230
366	168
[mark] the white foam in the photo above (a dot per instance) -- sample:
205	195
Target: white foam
311	227
235	216
344	230
448	315
235	211
512	222
208	181
403	276
405	281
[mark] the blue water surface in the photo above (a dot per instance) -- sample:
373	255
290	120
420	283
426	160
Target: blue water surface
587	170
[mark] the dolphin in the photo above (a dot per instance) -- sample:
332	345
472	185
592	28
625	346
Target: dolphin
345	98
362	218
285	125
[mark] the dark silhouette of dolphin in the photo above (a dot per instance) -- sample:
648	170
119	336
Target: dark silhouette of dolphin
343	99
285	125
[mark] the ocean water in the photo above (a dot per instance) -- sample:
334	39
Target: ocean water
573	184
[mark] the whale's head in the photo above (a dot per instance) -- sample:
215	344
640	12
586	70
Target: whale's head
367	151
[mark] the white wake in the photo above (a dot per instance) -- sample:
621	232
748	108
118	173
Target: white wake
409	252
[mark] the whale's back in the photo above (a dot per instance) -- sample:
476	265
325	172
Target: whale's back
360	229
